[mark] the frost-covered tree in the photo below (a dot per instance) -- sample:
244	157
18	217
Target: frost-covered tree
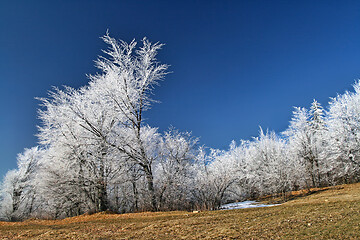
19	188
174	170
217	173
318	132
83	157
128	78
2	206
270	164
108	114
11	193
306	136
344	136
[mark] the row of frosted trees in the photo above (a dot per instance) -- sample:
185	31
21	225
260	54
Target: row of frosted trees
96	153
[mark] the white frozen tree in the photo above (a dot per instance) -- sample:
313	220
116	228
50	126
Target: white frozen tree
318	133
174	169
218	173
126	84
108	114
19	189
306	136
11	193
344	136
270	164
84	159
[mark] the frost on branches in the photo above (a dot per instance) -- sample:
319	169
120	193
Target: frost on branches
96	152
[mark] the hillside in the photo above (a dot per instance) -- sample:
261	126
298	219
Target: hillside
330	214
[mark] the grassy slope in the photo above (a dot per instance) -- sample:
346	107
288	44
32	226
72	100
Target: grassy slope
330	214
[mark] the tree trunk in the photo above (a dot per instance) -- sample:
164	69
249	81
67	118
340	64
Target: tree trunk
103	203
136	196
151	189
102	198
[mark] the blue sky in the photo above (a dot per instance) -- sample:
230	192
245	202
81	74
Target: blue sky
236	65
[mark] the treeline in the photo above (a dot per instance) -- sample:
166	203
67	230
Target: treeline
96	152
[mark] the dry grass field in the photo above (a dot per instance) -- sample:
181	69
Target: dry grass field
332	213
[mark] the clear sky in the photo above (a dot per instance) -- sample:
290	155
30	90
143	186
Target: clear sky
236	65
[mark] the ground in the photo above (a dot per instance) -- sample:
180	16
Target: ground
332	213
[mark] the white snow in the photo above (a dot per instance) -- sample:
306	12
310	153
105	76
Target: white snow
245	204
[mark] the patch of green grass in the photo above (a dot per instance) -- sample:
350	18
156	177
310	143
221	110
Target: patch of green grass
330	214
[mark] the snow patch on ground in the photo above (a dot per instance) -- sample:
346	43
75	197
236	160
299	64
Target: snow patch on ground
245	204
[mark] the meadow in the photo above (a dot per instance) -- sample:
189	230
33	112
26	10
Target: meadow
331	213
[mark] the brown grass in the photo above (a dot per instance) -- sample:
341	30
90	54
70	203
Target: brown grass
332	213
281	198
